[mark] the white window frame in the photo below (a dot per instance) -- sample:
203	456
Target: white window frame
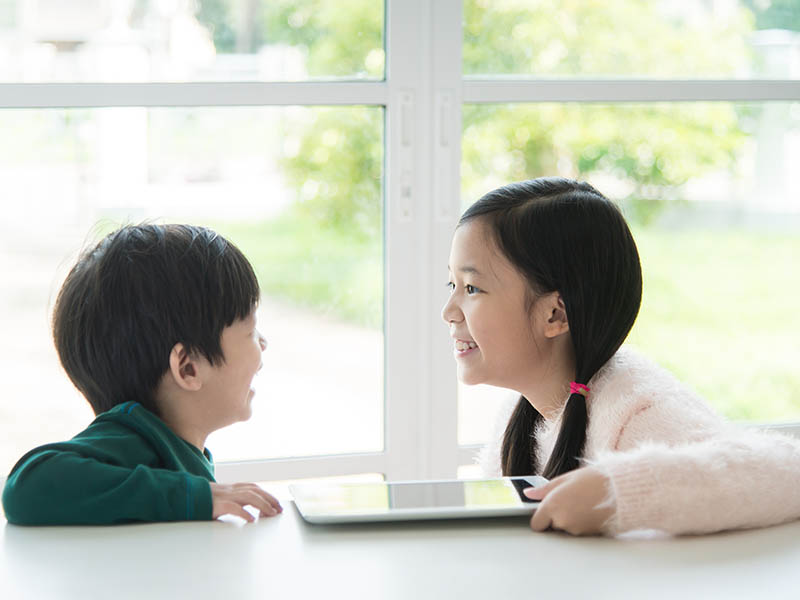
422	94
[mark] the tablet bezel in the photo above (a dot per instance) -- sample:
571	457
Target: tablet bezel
299	494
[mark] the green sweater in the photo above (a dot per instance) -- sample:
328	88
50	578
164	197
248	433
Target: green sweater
126	466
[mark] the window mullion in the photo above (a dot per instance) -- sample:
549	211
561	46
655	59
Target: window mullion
508	90
423	73
87	95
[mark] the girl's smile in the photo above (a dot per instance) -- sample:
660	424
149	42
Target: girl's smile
462	348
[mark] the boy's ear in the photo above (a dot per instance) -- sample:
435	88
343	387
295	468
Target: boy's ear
184	368
555	313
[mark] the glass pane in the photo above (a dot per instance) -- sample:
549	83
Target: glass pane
297	189
190	40
633	38
708	189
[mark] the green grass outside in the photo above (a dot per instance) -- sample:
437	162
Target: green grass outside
314	267
719	309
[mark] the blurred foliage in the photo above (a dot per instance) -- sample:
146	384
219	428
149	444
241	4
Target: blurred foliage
336	163
648	152
334	158
653	150
215	15
630	38
340	39
775	14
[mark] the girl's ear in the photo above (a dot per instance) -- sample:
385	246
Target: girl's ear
555	315
184	369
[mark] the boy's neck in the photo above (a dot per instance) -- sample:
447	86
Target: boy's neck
179	412
185	430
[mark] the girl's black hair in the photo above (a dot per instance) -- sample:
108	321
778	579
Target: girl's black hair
137	293
565	236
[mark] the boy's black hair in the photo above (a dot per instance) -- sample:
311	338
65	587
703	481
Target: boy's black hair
137	293
565	236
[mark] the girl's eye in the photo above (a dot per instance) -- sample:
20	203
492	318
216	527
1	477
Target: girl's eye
470	289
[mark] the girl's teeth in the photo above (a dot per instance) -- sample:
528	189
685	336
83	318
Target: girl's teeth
463	346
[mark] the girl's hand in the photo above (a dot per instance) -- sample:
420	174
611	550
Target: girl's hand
231	500
570	503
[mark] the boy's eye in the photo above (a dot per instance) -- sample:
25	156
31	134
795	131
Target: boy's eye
471	289
451	286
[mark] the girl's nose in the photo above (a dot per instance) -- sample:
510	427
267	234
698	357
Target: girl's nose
262	341
451	313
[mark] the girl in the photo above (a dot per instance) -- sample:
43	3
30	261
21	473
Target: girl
545	285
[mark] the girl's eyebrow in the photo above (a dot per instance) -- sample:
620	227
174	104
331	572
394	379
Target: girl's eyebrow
466	269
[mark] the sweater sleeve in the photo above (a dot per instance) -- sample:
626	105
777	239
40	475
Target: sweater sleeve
735	480
65	485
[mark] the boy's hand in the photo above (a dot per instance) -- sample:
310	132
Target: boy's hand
572	502
231	500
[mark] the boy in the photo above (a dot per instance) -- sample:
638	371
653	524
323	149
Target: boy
156	327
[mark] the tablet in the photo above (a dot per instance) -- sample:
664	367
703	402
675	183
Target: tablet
413	500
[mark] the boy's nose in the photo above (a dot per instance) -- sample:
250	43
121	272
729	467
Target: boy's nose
262	341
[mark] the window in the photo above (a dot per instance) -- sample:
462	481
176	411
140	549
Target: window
706	188
675	39
189	40
683	112
336	143
255	167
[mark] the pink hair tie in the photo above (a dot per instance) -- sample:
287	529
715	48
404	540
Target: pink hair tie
578	388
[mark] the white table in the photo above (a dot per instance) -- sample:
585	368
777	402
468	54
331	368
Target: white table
284	557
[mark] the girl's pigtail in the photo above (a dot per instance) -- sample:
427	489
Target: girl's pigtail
518	452
571	438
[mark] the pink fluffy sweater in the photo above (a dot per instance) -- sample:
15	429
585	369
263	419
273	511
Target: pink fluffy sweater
673	463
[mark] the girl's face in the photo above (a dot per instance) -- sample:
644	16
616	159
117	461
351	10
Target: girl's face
497	337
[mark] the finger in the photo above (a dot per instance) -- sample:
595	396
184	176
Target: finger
541	519
272	500
231	508
255	499
537	493
261	492
273	513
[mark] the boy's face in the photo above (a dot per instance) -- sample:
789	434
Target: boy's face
228	385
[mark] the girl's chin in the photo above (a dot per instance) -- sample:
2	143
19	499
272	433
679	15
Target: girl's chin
468	378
